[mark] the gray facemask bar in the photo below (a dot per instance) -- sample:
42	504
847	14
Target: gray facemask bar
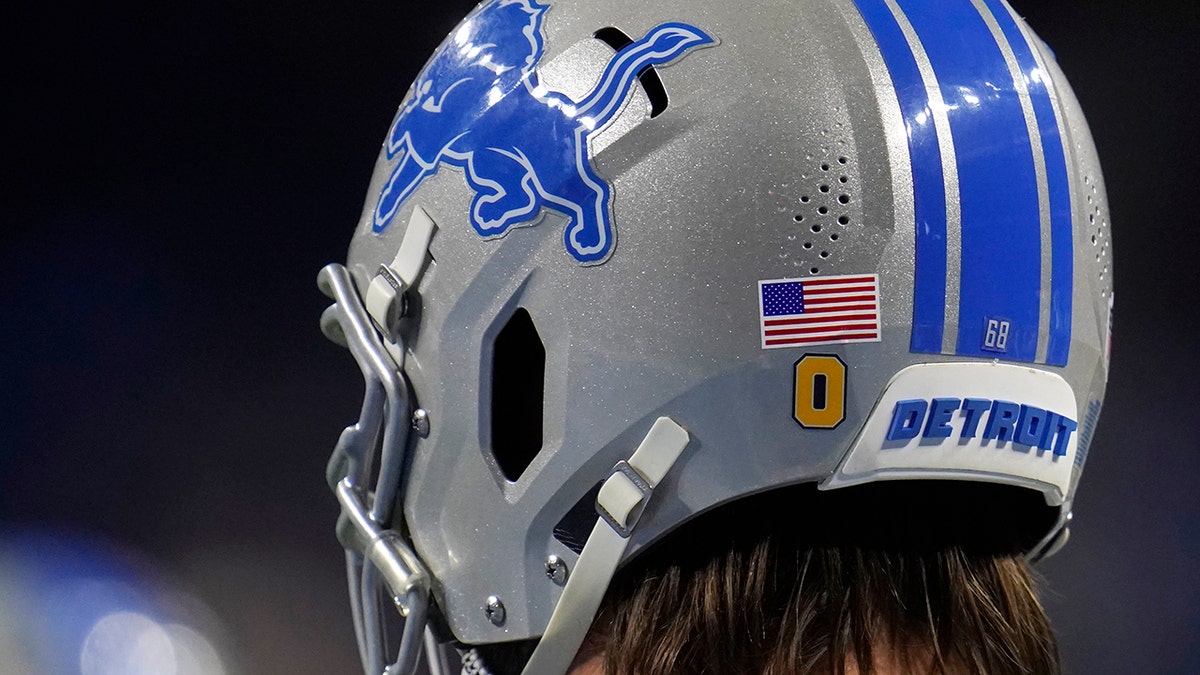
377	558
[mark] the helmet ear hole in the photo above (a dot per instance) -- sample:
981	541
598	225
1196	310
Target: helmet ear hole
518	390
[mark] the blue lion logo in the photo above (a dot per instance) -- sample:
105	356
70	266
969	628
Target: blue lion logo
478	105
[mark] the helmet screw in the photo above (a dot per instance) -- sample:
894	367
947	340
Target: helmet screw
420	422
495	610
556	569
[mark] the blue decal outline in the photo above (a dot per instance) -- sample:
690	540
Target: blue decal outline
522	147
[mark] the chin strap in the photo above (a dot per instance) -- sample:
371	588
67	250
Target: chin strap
378	557
621	501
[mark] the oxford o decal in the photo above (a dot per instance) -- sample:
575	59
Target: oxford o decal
819	391
478	105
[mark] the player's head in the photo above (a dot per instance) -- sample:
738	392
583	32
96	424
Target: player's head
886	578
644	260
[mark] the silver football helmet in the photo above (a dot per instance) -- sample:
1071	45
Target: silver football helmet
624	262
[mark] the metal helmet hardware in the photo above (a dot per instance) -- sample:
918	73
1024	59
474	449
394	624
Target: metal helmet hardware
637	260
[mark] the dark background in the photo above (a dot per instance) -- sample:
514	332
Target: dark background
178	172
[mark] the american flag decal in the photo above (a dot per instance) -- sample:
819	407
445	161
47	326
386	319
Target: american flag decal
823	310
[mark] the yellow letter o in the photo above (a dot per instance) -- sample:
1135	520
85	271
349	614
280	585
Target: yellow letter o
820	391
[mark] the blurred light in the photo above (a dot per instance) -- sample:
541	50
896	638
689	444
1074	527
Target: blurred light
76	605
194	653
126	643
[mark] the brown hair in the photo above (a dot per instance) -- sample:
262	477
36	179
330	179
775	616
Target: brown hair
922	578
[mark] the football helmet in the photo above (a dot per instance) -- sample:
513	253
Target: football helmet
624	262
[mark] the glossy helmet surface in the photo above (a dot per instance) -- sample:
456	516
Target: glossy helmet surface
828	241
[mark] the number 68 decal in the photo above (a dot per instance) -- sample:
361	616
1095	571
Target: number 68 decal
819	391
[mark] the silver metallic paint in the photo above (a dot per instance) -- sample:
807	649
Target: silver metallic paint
704	198
941	121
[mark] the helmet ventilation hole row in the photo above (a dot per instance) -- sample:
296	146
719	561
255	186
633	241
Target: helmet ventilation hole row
824	212
1098	225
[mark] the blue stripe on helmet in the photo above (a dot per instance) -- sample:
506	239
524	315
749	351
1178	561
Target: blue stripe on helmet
1000	269
1001	222
1062	262
929	187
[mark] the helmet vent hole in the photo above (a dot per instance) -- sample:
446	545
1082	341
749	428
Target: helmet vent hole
518	390
1098	228
651	83
822	201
